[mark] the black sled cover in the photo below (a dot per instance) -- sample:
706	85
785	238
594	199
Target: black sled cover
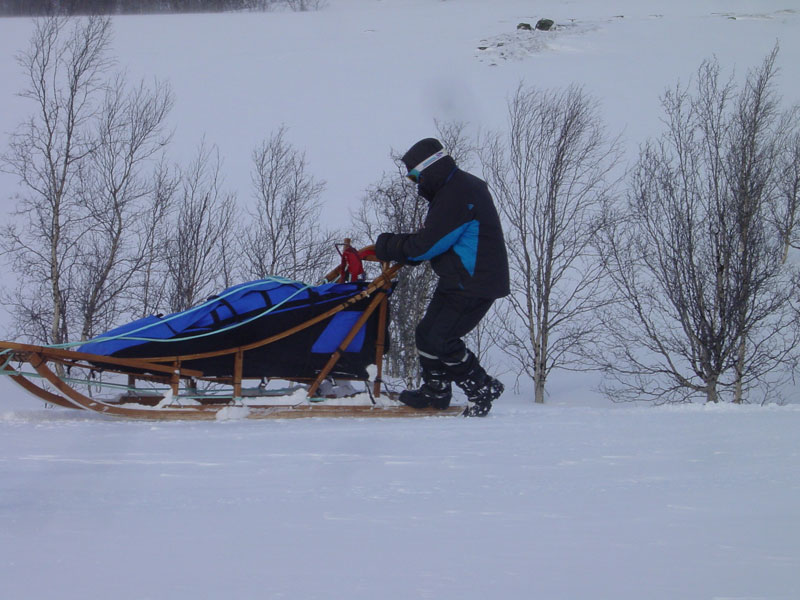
250	312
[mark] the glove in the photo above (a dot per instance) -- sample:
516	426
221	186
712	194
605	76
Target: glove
367	253
381	251
382	247
389	247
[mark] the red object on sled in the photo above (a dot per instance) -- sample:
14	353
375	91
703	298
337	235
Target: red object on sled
352	268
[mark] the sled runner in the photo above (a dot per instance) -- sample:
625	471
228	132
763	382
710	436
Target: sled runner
196	364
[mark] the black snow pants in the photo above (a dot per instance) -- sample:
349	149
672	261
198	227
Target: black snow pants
450	316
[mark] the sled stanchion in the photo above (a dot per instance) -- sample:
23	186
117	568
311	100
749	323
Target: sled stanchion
238	366
175	378
380	342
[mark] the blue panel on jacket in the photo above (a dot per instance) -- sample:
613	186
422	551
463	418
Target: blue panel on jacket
464	242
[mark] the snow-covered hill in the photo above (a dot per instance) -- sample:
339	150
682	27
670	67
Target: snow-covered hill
574	499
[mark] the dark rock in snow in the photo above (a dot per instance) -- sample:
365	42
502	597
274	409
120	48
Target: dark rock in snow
545	24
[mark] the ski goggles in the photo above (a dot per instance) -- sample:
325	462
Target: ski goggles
415	173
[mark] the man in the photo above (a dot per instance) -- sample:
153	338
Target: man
463	240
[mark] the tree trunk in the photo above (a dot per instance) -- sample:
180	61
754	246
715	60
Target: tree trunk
738	393
711	391
539	381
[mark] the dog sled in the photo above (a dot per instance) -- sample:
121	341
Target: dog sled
219	358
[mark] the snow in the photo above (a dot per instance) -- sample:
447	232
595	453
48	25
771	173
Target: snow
531	502
578	498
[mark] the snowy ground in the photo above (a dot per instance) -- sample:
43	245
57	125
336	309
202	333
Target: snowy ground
575	499
533	502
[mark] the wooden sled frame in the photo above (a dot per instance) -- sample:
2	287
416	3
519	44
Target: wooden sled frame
48	364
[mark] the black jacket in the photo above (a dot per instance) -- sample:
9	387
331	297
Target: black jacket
461	237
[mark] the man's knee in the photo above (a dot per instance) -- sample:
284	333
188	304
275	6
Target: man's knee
431	345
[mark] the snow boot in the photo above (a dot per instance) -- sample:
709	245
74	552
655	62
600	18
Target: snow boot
481	389
481	395
435	391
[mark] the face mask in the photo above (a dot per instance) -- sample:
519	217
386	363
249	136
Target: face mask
425	192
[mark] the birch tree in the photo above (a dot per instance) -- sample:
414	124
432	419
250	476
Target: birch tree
699	261
117	181
87	161
201	248
551	173
155	226
285	236
66	65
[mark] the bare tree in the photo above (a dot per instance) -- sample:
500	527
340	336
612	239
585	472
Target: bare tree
697	258
115	182
66	72
201	249
95	7
285	237
550	174
305	5
155	227
786	214
455	138
86	160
